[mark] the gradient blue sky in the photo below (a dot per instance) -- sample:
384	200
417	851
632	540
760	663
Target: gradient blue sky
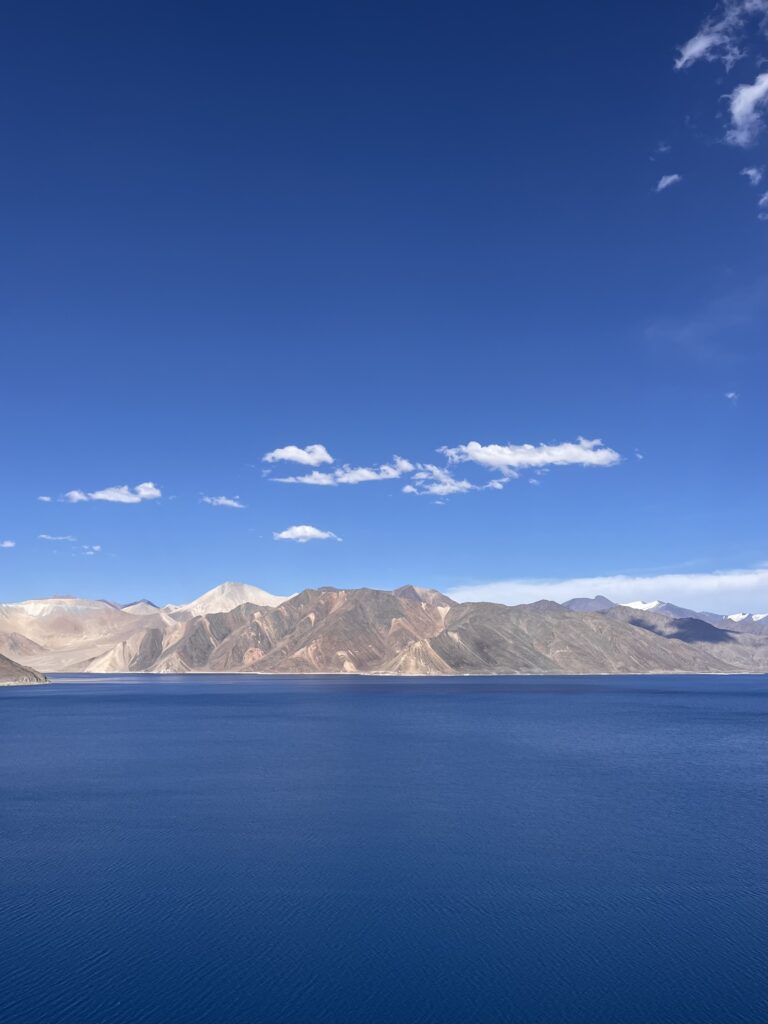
385	229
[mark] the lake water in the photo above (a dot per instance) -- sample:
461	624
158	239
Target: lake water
529	851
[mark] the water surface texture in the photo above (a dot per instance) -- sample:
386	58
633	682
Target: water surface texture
532	851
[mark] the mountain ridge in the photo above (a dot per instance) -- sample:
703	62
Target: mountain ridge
406	631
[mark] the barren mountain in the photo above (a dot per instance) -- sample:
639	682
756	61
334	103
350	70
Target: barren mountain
409	631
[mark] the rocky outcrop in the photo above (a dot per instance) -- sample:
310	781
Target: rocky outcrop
13	674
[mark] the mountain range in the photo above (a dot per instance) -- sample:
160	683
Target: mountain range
409	631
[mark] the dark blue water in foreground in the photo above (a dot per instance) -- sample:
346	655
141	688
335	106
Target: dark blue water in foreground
213	850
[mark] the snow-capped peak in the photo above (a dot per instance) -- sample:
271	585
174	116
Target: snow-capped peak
741	616
642	606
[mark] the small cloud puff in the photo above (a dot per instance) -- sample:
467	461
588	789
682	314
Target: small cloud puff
7	543
44	497
301	534
666	180
753	174
48	536
732	396
312	455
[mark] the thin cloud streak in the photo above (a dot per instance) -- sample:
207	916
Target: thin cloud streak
726	592
222	502
666	180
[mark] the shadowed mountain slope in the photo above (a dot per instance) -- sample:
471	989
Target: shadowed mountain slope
11	673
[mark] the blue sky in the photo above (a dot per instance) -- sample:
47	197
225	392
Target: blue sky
390	231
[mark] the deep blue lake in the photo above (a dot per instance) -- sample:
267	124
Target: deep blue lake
207	850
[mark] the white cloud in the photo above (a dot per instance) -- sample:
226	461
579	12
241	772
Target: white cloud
725	592
762	204
352	474
509	458
123	494
221	501
753	174
301	534
312	455
731	396
666	180
747	103
44	497
7	543
48	536
91	549
720	36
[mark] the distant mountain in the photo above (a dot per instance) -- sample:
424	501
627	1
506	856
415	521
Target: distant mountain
588	604
142	607
13	674
408	631
743	622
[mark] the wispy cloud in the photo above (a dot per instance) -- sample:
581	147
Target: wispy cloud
352	474
732	396
437	480
44	497
762	207
716	330
720	37
431	479
123	494
508	459
221	501
302	534
7	543
91	549
753	174
312	455
725	592
666	180
48	536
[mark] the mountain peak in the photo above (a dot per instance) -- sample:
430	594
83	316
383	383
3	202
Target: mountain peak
225	597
